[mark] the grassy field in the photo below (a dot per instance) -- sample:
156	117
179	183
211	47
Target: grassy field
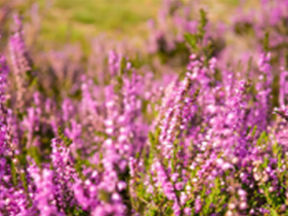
69	21
78	20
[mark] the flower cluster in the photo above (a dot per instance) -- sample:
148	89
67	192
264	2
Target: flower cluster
180	129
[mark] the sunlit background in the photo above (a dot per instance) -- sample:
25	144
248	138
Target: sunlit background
50	23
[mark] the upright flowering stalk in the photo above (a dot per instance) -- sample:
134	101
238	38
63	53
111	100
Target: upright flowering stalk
13	200
4	111
176	117
123	140
20	59
31	125
64	174
263	86
132	130
52	190
281	129
44	195
19	54
5	147
114	61
282	111
167	101
283	90
108	198
166	168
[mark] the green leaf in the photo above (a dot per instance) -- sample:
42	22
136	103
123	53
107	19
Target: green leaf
254	130
266	42
191	40
273	212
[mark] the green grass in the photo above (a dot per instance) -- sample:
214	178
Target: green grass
69	21
79	20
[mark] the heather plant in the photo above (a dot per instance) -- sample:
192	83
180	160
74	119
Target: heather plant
121	134
271	16
175	21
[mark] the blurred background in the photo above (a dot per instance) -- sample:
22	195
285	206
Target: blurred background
51	23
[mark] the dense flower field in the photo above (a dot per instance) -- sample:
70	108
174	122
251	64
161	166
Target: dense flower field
190	125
